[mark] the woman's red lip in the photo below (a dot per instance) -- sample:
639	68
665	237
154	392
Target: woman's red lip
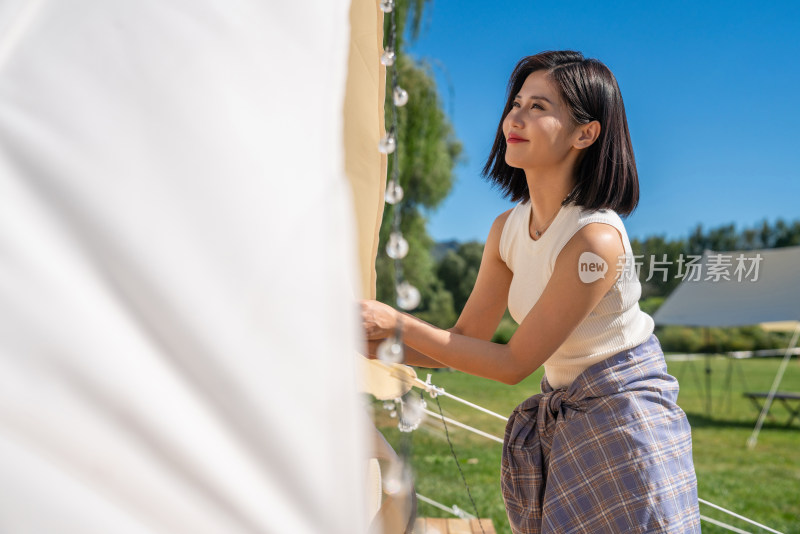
517	140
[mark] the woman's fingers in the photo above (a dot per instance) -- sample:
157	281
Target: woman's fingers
377	319
368	320
375	333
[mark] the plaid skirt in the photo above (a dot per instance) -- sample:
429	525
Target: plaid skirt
612	452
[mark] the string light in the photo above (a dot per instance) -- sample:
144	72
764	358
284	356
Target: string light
412	414
387	144
408	296
390	351
409	410
387	6
394	192
388	57
400	96
397	247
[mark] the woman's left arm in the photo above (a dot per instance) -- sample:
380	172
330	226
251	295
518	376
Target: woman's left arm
566	301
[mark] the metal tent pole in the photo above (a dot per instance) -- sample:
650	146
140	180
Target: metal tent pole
751	441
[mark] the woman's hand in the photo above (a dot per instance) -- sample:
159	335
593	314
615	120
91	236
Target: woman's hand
378	319
381	321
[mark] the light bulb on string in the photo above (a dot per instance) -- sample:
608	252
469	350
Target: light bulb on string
397	247
387	144
387	6
394	192
397	480
408	296
412	414
400	96
390	350
388	57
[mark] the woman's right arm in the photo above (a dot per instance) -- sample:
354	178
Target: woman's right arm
489	298
487	301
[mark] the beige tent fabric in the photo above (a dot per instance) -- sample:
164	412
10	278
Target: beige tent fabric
363	128
366	170
780	326
385	381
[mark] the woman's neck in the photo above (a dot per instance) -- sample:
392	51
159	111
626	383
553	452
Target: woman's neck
546	198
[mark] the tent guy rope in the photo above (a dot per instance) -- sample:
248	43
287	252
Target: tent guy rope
435	391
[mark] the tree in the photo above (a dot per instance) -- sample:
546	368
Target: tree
458	271
655	250
427	154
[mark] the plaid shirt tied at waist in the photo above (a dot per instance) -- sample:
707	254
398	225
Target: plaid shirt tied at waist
612	453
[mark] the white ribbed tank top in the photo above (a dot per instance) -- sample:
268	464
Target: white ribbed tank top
616	324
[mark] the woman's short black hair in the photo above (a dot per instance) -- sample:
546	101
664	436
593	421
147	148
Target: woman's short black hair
606	174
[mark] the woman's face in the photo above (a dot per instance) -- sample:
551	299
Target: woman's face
542	121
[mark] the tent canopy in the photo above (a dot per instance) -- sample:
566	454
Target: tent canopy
737	288
780	326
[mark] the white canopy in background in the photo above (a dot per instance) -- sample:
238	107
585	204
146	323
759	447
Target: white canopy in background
177	263
740	288
772	293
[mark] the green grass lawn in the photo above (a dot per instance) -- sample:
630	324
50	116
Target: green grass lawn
762	484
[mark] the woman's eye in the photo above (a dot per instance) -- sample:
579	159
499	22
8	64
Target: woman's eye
516	105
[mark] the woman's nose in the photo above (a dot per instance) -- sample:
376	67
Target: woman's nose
513	118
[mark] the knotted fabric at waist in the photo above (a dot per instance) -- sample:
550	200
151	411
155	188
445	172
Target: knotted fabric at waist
581	458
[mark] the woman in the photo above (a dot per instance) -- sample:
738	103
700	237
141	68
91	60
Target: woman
604	447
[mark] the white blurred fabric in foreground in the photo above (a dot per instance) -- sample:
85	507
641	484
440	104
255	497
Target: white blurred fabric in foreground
176	268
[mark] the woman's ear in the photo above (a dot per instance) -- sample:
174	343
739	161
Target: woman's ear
587	134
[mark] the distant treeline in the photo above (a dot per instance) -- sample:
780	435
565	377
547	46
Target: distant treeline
722	239
456	268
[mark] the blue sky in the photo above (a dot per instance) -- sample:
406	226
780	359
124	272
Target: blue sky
711	90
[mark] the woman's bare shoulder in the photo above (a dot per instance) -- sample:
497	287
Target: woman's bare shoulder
501	219
493	242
